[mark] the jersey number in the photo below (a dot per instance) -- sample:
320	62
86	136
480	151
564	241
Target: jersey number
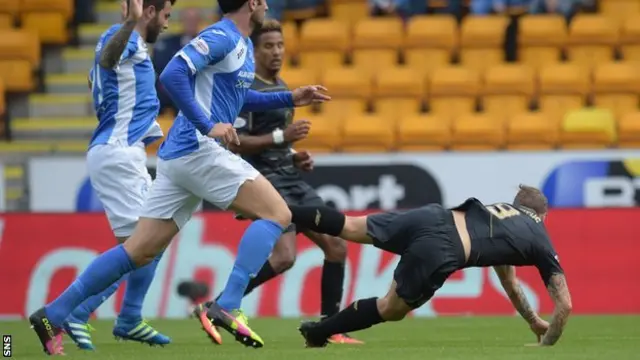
503	211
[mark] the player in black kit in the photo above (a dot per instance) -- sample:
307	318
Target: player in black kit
433	242
265	142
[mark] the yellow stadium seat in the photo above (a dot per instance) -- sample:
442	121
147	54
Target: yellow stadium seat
629	131
563	87
20	45
343	108
397	107
399	82
64	7
616	86
350	12
6	21
368	133
591	40
296	77
370	61
302	14
430	42
11	7
481	41
378	33
423	132
508	90
453	92
541	39
620	10
17	75
477	132
3	104
318	61
588	129
531	131
302	113
290	35
324	136
347	82
630	39
324	35
51	27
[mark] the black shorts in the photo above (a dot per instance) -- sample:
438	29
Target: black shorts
298	193
429	246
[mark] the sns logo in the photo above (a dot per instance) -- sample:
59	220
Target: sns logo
594	184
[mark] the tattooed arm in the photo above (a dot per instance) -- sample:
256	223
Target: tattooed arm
559	292
115	46
507	275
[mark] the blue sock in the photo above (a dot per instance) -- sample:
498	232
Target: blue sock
83	312
99	275
137	287
254	249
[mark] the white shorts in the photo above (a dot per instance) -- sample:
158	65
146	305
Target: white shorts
120	178
211	173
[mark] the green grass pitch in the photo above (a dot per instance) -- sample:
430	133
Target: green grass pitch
477	338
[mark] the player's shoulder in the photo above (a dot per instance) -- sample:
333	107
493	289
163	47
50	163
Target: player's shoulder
214	36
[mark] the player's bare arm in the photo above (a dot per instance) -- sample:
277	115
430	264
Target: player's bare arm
253	144
559	292
118	42
511	285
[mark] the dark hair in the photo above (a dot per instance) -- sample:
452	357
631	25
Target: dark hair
269	25
532	198
229	6
159	4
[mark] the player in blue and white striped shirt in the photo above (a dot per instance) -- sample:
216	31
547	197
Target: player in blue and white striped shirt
122	83
209	81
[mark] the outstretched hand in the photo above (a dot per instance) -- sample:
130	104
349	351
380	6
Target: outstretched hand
307	95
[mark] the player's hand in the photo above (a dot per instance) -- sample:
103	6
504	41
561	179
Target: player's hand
539	327
297	131
307	95
303	160
135	10
225	132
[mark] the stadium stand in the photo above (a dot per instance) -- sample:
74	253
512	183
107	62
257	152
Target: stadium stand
430	83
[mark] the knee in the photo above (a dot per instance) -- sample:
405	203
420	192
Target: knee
140	255
282	259
390	311
336	249
280	214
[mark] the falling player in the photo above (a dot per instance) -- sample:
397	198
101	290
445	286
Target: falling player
126	104
265	142
434	242
209	81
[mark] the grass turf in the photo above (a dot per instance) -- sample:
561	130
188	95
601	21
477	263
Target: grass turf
478	338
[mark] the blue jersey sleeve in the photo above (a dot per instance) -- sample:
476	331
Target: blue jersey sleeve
264	101
210	47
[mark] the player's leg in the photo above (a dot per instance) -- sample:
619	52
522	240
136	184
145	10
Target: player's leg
326	220
168	207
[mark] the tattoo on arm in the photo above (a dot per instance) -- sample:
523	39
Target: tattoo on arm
115	46
516	294
559	292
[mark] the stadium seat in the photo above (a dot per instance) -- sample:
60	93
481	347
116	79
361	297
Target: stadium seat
51	27
508	90
630	39
296	77
591	40
477	132
453	92
368	133
371	61
376	43
302	14
531	131
629	131
323	42
588	129
423	132
10	7
17	75
616	86
6	21
430	42
563	87
325	135
541	39
302	112
64	7
399	82
397	107
290	35
350	12
3	104
347	82
620	10
343	108
20	45
481	41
